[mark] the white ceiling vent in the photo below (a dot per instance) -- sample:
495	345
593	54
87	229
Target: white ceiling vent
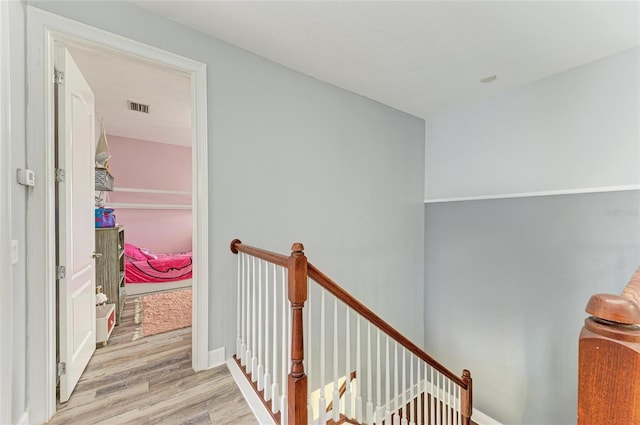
135	106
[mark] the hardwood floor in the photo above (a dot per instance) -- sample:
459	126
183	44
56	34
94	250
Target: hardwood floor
150	381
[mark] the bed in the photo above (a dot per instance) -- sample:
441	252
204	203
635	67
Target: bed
147	271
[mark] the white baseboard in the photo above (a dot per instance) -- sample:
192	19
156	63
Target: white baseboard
216	357
258	409
482	419
24	419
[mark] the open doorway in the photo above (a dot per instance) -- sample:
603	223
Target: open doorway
44	30
143	237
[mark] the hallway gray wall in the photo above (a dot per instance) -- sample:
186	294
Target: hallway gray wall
507	282
295	159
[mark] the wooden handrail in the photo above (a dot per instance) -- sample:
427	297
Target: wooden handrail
632	290
263	254
369	315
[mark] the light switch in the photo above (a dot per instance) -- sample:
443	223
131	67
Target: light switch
26	177
14	251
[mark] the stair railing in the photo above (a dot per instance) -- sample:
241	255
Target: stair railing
396	382
609	359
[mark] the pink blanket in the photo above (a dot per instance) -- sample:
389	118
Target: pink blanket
151	267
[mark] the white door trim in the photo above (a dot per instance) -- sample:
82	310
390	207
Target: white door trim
42	29
6	290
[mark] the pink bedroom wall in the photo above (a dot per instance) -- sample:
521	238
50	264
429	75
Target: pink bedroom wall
161	231
142	164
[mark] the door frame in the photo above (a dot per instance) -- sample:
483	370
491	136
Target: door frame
42	29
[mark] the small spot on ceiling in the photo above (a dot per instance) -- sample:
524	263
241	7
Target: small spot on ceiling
489	78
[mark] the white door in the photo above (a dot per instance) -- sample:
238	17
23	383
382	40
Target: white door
75	222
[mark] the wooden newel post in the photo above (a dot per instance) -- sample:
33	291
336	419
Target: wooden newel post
609	359
466	409
297	385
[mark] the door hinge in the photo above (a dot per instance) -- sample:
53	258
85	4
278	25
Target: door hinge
58	77
59	175
62	368
61	272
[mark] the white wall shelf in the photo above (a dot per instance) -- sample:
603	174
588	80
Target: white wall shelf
150	206
155	191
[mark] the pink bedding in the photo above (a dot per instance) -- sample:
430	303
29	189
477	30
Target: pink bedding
144	266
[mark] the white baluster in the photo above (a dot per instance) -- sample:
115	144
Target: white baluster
404	388
275	395
387	415
379	409
260	370
452	406
289	338
441	390
322	403
433	404
284	408
249	321
458	404
412	411
359	374
243	347
336	376
396	418
428	388
434	396
449	402
443	405
370	417
267	340
254	325
347	360
424	394
308	352
446	401
238	308
452	401
438	400
443	398
420	405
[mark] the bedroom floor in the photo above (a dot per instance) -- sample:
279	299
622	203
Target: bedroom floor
150	381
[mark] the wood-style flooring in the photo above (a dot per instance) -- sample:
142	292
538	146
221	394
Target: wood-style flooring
150	381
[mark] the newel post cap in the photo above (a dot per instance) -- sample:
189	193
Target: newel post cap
297	247
614	308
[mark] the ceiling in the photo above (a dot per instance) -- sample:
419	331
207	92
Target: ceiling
116	78
422	58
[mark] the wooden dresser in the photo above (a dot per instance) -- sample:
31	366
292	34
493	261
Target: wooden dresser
110	268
